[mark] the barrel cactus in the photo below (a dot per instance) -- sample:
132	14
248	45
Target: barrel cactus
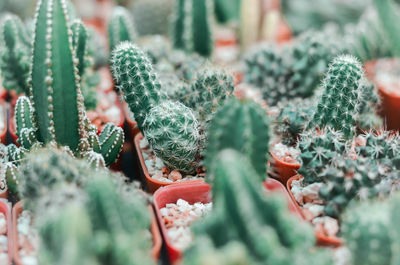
120	27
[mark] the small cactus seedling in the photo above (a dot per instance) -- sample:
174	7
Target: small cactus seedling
191	27
242	126
14	54
339	104
243	213
121	27
55	111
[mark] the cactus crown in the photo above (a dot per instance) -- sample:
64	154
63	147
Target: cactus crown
243	213
244	127
191	27
121	27
14	54
339	104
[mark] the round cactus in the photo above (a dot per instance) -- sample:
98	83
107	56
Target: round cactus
173	133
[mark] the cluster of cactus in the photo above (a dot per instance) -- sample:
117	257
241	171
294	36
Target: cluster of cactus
292	120
292	71
186	65
371	232
54	112
348	179
244	127
15	54
261	222
120	27
380	145
319	149
192	26
152	16
339	104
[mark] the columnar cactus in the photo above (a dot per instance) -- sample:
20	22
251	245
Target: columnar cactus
134	75
243	213
191	27
339	104
55	112
121	27
14	54
79	44
173	133
208	92
244	127
250	23
318	150
368	118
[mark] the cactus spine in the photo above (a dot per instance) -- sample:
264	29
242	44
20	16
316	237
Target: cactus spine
121	27
191	27
14	55
244	127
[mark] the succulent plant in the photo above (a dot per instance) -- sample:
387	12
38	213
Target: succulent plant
14	54
120	27
292	120
186	65
250	23
227	10
191	26
156	47
152	16
243	213
292	71
368	118
380	145
318	150
244	127
339	104
55	111
207	92
173	133
134	76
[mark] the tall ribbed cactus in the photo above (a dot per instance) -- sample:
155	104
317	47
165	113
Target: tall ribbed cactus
191	27
339	104
79	44
134	75
55	112
243	213
14	54
242	126
121	27
173	133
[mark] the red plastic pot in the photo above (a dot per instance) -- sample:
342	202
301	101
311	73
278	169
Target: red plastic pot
155	232
322	240
6	210
284	170
190	192
152	184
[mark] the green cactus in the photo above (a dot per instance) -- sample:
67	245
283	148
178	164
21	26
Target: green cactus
368	118
14	54
242	212
292	120
318	150
120	28
291	71
186	65
173	133
380	145
110	143
134	75
156	47
338	106
244	127
191	26
208	92
152	16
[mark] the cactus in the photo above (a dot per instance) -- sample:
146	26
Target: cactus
244	127
186	65
250	23
291	71
368	118
120	28
14	54
319	150
242	212
338	106
173	133
134	75
152	16
191	26
292	120
380	145
208	92
156	47
55	112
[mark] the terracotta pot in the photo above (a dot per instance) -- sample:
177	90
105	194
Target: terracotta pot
284	170
18	208
152	184
322	240
5	208
190	192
